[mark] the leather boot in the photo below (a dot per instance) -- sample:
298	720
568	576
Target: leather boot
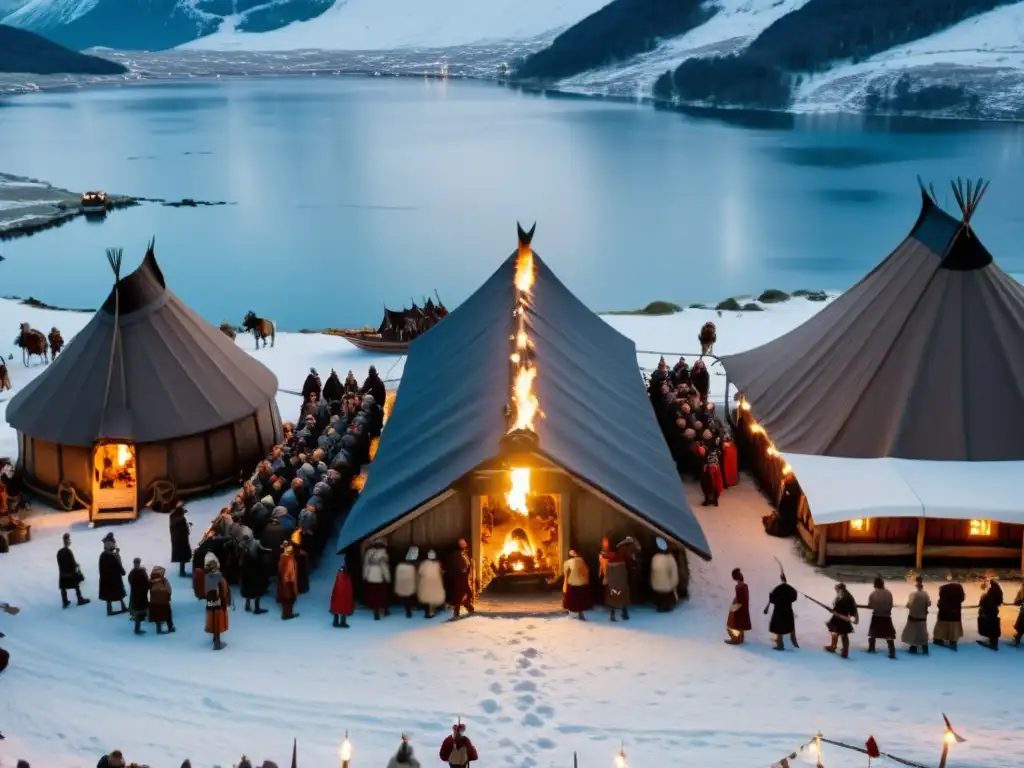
845	653
892	648
871	645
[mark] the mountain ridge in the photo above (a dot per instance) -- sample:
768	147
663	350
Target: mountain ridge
27	52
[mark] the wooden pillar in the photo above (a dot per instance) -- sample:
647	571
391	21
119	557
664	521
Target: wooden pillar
562	502
919	551
822	532
476	519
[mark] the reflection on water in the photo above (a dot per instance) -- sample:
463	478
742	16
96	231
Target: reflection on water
355	193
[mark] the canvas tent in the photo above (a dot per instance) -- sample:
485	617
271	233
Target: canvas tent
912	377
150	375
449	422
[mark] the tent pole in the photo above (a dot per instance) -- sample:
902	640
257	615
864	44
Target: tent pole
919	552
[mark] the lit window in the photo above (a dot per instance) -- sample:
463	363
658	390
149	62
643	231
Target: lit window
981	528
860	525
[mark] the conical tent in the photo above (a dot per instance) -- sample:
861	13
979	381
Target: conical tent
923	359
450	415
149	371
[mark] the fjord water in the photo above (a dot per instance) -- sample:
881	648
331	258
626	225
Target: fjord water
348	194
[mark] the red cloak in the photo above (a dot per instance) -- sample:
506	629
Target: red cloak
730	464
739	619
342	602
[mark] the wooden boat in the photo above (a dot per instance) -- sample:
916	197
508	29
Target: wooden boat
94	203
371	341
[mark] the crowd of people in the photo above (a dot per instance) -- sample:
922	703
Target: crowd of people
702	448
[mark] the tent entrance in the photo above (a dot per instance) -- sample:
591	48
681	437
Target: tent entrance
520	542
114	483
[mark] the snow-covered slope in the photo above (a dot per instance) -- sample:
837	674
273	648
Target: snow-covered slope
732	28
984	53
389	24
37	14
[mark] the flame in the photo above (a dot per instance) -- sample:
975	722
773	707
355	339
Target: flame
524	268
516	496
526	401
124	455
523	399
513	545
757	429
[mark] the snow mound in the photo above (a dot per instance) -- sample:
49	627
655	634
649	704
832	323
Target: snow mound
394	24
38	14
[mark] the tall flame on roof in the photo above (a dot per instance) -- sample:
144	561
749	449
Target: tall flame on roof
525	406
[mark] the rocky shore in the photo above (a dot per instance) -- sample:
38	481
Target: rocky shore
28	206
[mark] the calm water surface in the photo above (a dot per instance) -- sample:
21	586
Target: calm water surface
354	193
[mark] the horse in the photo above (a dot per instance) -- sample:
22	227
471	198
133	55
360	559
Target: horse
707	338
260	328
56	342
32	342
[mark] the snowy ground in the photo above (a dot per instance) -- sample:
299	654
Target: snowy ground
531	690
25	201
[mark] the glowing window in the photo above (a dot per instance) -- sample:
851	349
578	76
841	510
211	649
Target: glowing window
980	528
860	525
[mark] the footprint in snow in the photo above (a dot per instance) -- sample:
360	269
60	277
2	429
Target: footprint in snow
531	653
508	744
211	704
526	685
513	641
490	706
534	672
523	703
546	711
524	663
532	721
489	671
497	688
545	743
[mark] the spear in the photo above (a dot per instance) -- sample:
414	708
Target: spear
782	576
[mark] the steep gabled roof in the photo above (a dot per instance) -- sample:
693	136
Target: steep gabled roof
922	359
450	414
172	374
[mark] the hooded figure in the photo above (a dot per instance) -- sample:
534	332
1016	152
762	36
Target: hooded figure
576	592
342	602
333	389
615	579
457	749
403	758
112	576
287	582
701	380
254	575
664	577
351	384
915	633
405	581
181	549
949	626
783	621
160	600
138	600
377	579
374	386
311	385
218	600
988	615
430	585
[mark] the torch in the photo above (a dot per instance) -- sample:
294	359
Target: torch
620	759
345	751
949	736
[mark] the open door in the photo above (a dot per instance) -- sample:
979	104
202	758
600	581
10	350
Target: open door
115	494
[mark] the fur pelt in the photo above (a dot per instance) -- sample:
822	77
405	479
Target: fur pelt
405	580
664	573
376	568
430	584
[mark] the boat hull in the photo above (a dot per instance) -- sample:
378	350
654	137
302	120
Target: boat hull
372	342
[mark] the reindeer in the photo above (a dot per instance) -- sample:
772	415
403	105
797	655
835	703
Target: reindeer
707	338
56	342
32	342
260	328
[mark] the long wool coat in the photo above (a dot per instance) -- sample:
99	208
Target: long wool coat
138	601
111	578
342	601
70	575
218	601
159	597
287	579
181	549
782	621
916	630
988	612
254	578
430	584
405	580
739	620
664	573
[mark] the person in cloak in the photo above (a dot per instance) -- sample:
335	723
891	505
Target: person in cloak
287	582
342	602
915	633
949	627
254	575
218	600
576	592
615	579
1018	626
69	573
405	581
844	616
783	620
404	758
988	615
138	598
664	577
700	380
457	749
311	386
462	580
430	585
333	390
880	604
710	475
738	622
160	600
112	576
351	384
297	540
377	579
373	385
180	527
